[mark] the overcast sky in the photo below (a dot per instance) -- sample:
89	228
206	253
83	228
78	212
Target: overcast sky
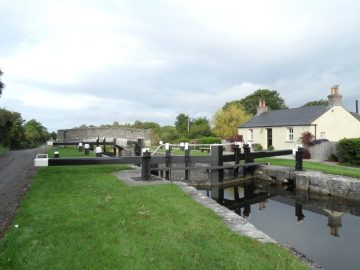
68	63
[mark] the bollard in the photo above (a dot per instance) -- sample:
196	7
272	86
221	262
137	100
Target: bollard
98	151
80	146
299	159
87	148
168	161
187	160
145	167
56	154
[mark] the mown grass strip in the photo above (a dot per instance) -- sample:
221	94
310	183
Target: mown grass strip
69	152
82	217
308	165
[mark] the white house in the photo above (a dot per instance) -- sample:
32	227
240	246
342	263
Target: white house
283	128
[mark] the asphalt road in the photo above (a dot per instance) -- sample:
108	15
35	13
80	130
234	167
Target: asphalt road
16	174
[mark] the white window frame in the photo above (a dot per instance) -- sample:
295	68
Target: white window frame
251	134
290	134
322	135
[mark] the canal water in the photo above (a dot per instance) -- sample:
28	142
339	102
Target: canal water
325	229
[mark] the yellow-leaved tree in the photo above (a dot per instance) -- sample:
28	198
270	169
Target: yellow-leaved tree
227	120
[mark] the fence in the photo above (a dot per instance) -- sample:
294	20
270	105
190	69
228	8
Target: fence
323	150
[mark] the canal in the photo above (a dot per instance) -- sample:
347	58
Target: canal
325	229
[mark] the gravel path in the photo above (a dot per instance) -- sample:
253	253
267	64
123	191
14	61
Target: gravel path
16	174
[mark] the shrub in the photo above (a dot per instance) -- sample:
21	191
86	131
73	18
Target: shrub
209	140
271	148
348	151
306	154
307	139
333	157
257	147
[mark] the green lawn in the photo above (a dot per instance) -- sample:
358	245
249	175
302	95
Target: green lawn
82	217
308	165
69	152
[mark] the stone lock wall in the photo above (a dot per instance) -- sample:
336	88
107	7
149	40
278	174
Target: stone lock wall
78	134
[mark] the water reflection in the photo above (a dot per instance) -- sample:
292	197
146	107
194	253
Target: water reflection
243	195
325	229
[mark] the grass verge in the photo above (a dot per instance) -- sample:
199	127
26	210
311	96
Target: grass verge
308	165
82	217
68	152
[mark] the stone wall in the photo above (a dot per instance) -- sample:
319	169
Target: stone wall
312	182
78	134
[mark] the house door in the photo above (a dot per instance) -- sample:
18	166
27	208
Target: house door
269	137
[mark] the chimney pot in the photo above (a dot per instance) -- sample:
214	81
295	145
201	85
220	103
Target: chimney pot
335	99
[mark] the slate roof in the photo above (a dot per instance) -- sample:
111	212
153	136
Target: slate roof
287	117
355	115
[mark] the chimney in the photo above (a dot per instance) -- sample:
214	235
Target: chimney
335	99
262	107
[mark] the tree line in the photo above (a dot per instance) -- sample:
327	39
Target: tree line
16	133
223	125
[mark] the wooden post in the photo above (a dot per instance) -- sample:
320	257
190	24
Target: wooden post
299	159
187	161
167	161
139	146
114	147
104	145
237	152
248	158
217	175
145	168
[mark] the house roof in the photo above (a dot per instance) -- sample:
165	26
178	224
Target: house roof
287	117
356	115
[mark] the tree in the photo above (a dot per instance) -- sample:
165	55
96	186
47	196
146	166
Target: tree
168	134
250	102
11	129
35	133
1	84
200	127
227	120
181	123
315	103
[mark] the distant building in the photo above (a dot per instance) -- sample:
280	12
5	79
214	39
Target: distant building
282	129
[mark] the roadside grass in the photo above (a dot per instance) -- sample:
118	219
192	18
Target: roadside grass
308	165
82	217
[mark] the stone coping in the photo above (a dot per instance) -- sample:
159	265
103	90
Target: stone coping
312	181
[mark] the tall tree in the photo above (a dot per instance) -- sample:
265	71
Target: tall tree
200	127
249	103
227	120
35	133
315	103
181	123
11	129
1	84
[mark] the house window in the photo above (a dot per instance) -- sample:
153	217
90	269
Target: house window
290	134
251	134
322	135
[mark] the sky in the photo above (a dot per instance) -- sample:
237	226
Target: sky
68	63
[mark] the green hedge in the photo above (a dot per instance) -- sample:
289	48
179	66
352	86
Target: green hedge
209	140
348	151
